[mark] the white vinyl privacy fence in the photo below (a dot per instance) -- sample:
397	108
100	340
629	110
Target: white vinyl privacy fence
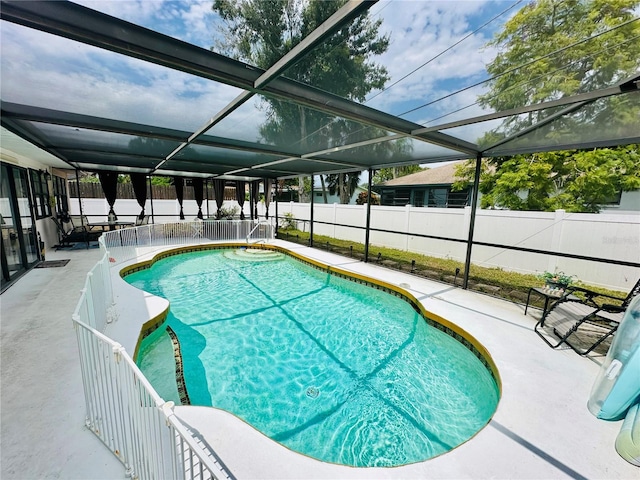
122	408
443	233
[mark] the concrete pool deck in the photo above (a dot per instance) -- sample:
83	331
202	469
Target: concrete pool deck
541	429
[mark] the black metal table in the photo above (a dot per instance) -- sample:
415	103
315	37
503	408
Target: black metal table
110	225
548	295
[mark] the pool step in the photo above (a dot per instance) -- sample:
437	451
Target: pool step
253	254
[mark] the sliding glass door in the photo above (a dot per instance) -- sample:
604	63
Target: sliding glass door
19	237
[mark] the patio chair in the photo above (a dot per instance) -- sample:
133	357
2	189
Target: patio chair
69	234
583	324
79	220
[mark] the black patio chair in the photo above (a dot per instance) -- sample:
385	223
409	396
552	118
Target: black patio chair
68	234
583	324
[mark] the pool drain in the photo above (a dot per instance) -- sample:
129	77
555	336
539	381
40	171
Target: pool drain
313	392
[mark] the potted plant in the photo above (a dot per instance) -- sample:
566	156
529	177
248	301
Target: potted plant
556	279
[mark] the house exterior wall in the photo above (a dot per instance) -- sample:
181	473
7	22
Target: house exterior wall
319	198
629	202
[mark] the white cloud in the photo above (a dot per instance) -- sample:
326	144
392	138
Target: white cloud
134	11
200	21
51	72
421	31
192	21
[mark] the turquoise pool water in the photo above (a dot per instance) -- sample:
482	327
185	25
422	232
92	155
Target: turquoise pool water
332	369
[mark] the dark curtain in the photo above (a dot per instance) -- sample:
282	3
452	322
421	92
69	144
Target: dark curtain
218	194
267	195
255	192
109	182
240	188
139	184
198	193
178	182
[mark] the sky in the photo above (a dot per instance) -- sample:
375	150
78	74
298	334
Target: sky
91	81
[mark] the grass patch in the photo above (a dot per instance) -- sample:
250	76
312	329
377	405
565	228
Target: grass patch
511	286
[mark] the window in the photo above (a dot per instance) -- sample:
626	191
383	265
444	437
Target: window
458	198
418	197
613	199
386	196
402	197
438	197
40	190
60	194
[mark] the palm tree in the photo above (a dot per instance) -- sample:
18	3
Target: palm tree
343	183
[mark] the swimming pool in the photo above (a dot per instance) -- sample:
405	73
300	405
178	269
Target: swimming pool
330	368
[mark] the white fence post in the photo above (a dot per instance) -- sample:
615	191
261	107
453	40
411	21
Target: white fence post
556	238
407	225
335	218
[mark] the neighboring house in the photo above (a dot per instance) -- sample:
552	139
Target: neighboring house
319	198
432	188
429	188
623	202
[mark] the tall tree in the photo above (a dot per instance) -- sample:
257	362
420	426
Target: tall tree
562	48
343	184
261	31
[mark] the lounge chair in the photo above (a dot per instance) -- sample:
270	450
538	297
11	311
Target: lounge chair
68	233
583	324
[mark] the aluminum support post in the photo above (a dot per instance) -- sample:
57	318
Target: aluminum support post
472	221
151	198
368	225
311	217
79	195
276	202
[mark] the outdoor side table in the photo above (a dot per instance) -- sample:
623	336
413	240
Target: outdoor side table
547	295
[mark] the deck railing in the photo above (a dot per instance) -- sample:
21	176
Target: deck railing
126	244
131	419
122	408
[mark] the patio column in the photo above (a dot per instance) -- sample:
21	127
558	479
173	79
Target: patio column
255	188
151	198
250	201
109	182
311	216
240	191
218	194
472	222
206	192
267	195
368	224
79	195
178	183
139	184
198	193
276	202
